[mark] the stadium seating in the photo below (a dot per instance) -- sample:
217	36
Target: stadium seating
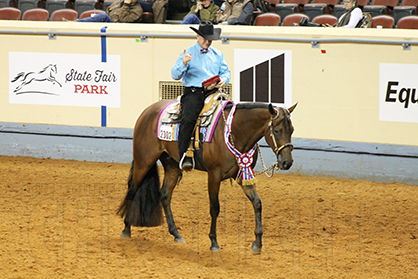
408	7
325	19
107	3
10	13
385	21
267	19
290	7
408	22
81	6
293	19
64	15
36	15
54	5
24	5
147	17
319	7
177	9
381	7
5	3
90	13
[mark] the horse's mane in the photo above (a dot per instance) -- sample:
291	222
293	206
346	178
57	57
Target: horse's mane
44	69
249	105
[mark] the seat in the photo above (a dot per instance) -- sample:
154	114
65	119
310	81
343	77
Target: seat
54	5
10	13
408	7
80	6
90	13
267	19
339	9
290	7
293	19
325	19
408	22
177	9
6	3
319	7
256	11
36	15
385	21
268	6
64	15
147	17
24	5
107	3
380	7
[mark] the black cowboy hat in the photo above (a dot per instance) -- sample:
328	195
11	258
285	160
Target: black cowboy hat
207	31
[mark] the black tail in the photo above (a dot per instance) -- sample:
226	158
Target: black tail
143	207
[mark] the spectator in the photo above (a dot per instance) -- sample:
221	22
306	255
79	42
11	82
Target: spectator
157	7
121	11
235	12
204	10
351	18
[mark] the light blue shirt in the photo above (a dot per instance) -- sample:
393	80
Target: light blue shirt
201	67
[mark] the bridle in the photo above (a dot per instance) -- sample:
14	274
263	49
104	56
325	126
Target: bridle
276	149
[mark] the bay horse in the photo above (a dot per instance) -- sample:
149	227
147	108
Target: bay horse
144	198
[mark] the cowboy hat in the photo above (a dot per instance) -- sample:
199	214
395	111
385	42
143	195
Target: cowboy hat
207	31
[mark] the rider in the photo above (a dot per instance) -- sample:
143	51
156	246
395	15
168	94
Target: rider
194	65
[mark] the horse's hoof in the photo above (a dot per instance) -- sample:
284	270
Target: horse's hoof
256	250
215	249
179	239
125	234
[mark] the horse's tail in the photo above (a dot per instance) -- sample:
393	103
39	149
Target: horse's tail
19	75
143	207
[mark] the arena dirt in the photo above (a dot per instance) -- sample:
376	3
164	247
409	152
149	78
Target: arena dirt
58	220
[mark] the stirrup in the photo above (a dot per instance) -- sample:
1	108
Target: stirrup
187	168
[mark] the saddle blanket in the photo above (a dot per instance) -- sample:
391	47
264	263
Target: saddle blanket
170	131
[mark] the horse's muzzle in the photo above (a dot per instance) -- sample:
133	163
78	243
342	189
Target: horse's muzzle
285	161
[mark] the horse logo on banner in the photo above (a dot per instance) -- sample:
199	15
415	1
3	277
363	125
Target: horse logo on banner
46	74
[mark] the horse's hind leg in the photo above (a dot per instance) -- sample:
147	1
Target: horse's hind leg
171	175
126	233
252	195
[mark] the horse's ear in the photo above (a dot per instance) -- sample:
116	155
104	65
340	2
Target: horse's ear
272	110
292	108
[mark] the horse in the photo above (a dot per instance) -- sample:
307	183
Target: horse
144	200
46	74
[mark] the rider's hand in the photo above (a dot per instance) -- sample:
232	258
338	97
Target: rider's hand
187	57
221	83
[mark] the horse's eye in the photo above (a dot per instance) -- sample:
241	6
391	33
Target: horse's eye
276	131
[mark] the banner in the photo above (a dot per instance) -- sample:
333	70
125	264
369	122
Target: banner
263	75
398	96
64	79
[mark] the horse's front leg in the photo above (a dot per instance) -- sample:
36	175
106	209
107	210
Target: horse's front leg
213	187
252	195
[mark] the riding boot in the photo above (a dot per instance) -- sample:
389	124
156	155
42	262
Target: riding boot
185	131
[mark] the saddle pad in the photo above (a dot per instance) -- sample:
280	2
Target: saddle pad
170	131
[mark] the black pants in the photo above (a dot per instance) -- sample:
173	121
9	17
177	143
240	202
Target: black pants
192	103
